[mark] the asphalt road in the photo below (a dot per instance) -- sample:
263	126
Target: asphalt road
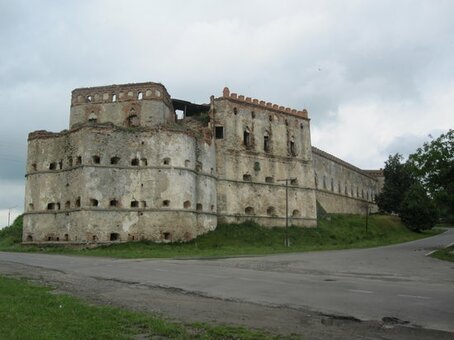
397	281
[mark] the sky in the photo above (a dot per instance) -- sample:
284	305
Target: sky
377	77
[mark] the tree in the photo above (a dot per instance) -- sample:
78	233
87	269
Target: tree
417	210
398	179
433	165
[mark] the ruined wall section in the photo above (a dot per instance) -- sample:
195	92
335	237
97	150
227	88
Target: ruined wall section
342	187
103	183
257	144
129	105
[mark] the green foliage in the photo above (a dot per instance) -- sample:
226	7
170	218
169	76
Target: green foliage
334	232
12	234
202	117
433	165
417	210
398	178
32	312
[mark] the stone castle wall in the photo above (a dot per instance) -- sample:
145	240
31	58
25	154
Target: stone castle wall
129	170
342	187
249	172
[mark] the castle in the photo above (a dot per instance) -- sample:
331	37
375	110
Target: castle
137	164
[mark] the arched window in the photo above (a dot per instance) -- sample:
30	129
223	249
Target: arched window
249	211
115	160
296	213
292	146
114	98
266	142
247	137
94	202
271	211
187	204
139	95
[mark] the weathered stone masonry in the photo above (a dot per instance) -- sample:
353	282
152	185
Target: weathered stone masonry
128	169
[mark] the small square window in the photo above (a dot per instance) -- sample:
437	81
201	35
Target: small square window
219	132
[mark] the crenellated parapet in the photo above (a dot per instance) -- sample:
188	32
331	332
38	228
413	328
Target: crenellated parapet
120	93
263	104
128	105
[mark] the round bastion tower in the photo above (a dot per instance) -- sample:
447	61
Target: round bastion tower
125	170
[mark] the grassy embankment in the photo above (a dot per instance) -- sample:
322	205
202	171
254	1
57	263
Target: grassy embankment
28	311
446	254
336	232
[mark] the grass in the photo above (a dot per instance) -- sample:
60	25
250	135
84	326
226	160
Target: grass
446	254
333	232
28	311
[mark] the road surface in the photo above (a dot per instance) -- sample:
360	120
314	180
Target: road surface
397	281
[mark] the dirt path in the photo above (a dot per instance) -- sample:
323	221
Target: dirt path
179	305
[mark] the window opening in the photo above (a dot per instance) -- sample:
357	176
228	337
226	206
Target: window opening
135	162
219	132
78	202
94	202
199	207
247	178
53	166
166	203
187	204
113	203
249	211
179	114
96	159
133	121
269	179
67	205
296	213
246	137
114	236
134	204
166	161
115	160
271	211
266	143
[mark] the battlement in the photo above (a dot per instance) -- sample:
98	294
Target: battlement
263	104
120	93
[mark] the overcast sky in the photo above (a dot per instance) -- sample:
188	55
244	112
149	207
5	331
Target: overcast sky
377	77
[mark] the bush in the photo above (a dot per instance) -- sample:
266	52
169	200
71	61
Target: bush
417	211
13	233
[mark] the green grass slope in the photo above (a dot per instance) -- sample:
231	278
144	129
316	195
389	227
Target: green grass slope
333	232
